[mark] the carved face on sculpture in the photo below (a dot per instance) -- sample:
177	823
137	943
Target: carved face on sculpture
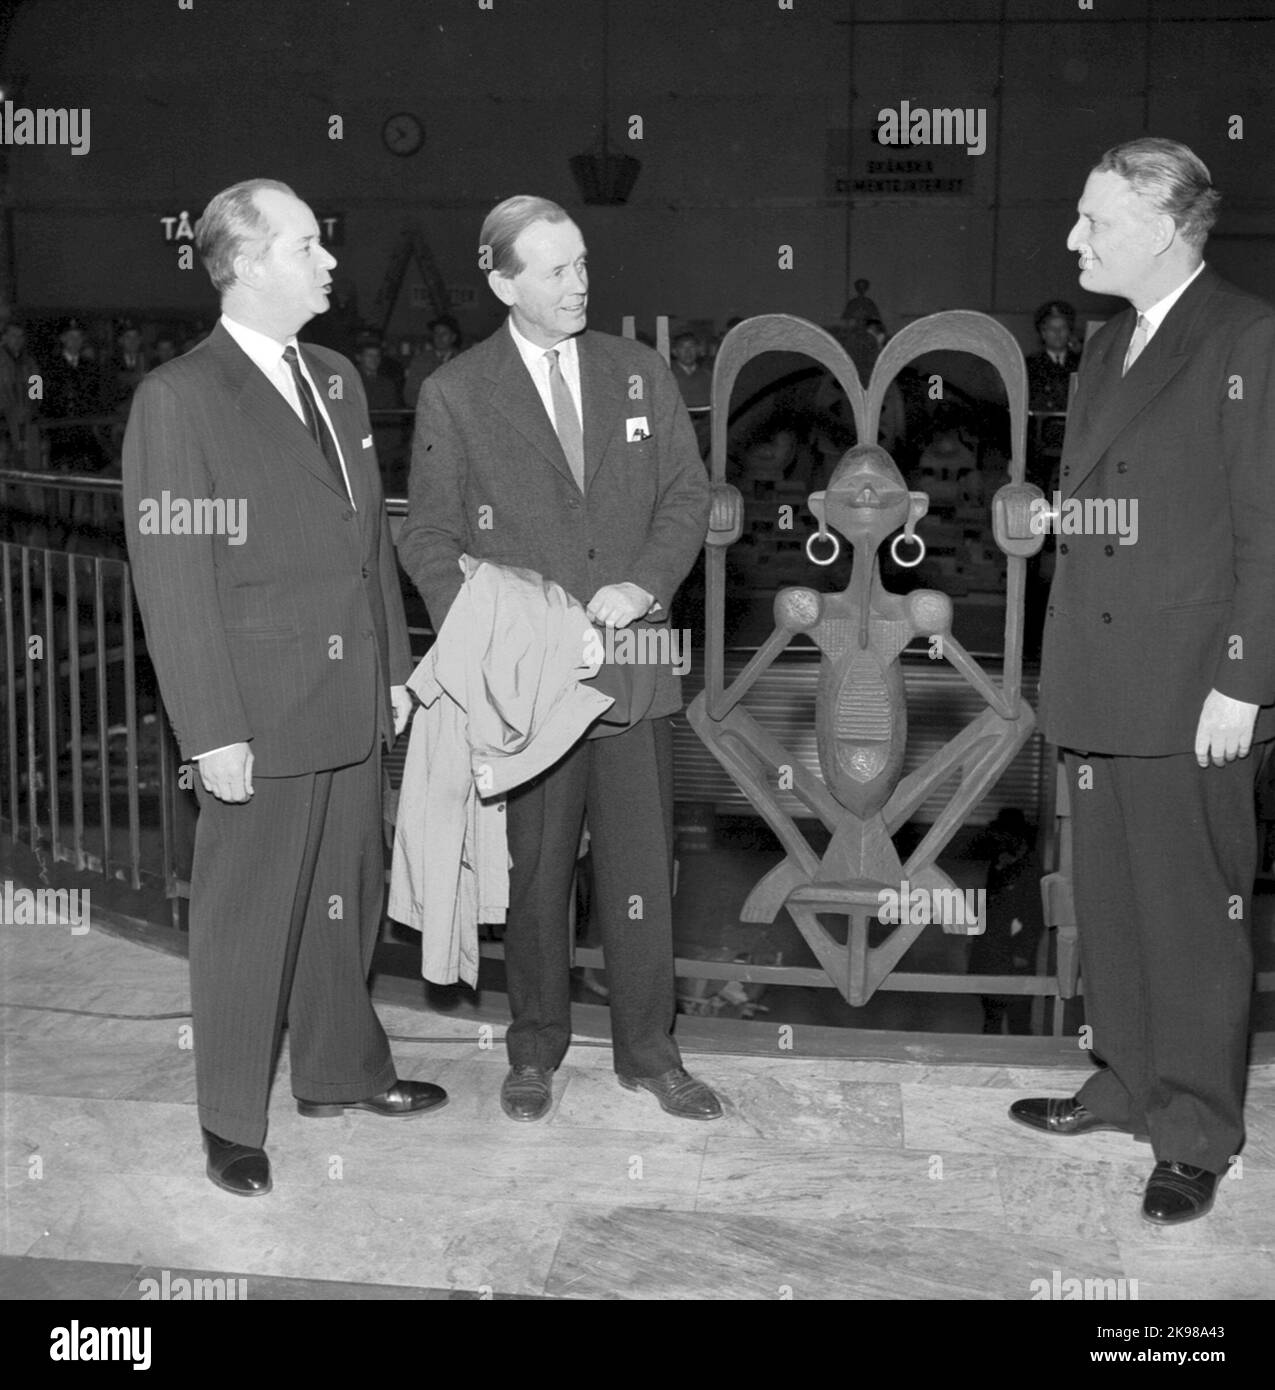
866	499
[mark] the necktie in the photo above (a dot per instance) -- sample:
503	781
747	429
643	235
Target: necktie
1137	342
313	419
565	419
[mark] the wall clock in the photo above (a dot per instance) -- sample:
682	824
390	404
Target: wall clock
403	133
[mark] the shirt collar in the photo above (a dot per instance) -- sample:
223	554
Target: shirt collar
1157	313
265	351
534	355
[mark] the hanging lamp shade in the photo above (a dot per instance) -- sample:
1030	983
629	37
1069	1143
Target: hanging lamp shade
604	177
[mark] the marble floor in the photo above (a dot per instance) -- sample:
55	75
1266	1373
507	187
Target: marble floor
827	1179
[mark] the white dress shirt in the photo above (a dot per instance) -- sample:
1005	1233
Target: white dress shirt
537	360
1157	313
267	353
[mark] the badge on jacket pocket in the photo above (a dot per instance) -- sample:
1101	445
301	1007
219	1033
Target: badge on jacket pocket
636	429
367	443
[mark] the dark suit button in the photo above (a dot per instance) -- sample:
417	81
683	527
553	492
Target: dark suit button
364	571
593	554
1067	471
1108	550
1106	617
1122	468
573	503
1062	549
1051	610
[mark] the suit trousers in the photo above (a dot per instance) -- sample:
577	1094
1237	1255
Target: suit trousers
286	893
1165	853
624	785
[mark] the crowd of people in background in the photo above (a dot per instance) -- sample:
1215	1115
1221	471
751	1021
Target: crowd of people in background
91	379
79	384
69	375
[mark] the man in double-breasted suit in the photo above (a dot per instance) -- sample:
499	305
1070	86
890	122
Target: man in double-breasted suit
267	582
570	453
1158	671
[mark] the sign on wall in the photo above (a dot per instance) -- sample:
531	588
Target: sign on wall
180	226
868	169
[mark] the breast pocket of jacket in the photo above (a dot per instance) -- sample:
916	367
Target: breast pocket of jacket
1193	605
254	630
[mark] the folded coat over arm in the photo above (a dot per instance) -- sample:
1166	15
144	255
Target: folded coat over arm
501	701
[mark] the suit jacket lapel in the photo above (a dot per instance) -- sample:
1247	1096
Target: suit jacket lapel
517	399
1118	399
602	410
347	423
344	423
1088	429
261	402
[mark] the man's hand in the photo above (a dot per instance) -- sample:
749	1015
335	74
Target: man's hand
1225	730
617	605
401	699
227	773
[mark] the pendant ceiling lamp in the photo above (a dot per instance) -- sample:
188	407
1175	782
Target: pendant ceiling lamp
605	177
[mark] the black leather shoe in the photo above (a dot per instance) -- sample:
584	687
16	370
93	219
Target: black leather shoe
679	1093
1060	1115
404	1098
237	1168
526	1093
1178	1192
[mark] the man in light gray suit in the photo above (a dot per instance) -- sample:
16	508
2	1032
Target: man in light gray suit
570	453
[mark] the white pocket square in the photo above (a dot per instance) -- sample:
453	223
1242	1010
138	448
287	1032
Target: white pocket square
367	443
636	429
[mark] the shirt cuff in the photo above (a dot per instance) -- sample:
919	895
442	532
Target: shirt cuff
211	751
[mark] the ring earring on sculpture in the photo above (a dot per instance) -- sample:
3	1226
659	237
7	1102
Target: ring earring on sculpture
916	541
825	536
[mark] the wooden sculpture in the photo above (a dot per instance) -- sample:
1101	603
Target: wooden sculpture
861	711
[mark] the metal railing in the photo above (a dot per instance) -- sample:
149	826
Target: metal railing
90	777
66	699
91	781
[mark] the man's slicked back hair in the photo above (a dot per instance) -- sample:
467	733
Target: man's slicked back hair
506	222
231	222
1173	178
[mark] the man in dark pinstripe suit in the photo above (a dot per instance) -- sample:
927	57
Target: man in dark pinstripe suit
281	650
